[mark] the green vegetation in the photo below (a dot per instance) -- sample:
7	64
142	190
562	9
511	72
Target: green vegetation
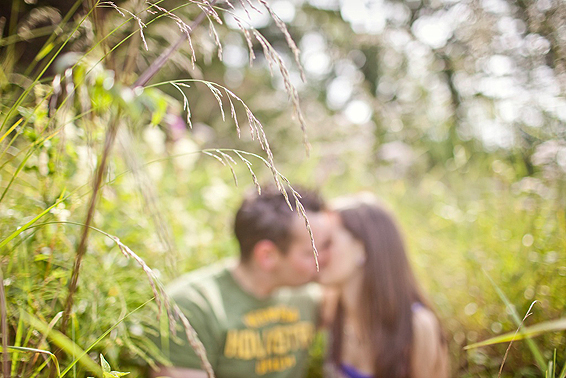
111	190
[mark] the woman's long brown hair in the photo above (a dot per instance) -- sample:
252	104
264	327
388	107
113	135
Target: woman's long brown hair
389	289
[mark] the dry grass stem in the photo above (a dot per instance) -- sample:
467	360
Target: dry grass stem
162	300
249	165
168	53
147	190
214	156
229	161
279	180
511	342
290	42
152	279
218	96
233	113
186	106
273	58
228	157
121	11
214	34
248	2
184	27
209	10
43	342
194	341
82	246
248	38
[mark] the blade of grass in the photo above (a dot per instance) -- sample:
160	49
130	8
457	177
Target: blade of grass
74	325
15	174
17	342
563	372
63	342
103	336
4	315
39	369
31	222
554	365
33	350
10	50
11	129
516	318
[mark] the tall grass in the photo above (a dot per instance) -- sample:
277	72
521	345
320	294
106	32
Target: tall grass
68	296
162	197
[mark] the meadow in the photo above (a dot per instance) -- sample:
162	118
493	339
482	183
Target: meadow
122	162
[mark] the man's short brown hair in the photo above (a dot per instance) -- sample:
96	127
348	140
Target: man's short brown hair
268	217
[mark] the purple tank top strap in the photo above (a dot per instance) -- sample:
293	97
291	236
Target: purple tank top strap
352	372
416	306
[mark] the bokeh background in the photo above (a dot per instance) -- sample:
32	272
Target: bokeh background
452	111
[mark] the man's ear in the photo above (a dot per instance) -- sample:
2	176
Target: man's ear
266	254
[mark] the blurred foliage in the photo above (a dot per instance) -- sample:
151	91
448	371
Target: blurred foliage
453	112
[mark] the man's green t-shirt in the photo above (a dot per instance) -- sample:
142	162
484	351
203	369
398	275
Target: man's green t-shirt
244	336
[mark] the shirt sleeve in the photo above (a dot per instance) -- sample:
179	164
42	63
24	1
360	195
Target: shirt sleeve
200	316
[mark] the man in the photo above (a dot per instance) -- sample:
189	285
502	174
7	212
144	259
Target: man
254	318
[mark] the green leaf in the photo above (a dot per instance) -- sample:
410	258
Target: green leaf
107	372
525	333
117	374
105	365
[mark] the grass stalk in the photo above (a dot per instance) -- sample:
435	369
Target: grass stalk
81	249
515	316
109	142
17	342
160	296
511	342
146	76
4	315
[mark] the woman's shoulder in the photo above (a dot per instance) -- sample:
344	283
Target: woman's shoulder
430	354
425	321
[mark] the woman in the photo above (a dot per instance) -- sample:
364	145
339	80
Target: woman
382	327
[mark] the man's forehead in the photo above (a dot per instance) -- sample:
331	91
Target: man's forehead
319	222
